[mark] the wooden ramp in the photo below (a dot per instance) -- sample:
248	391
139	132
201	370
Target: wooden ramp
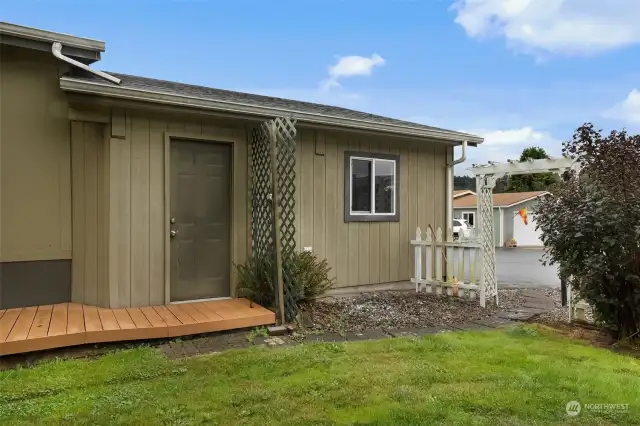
67	324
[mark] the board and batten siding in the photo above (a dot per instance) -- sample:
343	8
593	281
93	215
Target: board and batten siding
362	253
90	208
137	199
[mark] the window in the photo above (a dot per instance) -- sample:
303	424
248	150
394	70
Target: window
470	217
371	182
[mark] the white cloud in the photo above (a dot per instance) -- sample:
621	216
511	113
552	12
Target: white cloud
524	135
350	66
628	110
553	26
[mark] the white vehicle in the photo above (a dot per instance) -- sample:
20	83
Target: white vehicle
461	228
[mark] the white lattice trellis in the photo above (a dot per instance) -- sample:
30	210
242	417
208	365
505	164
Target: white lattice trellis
486	178
488	280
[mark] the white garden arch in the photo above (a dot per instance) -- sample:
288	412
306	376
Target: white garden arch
486	178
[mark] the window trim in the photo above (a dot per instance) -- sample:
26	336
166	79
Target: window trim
350	216
474	217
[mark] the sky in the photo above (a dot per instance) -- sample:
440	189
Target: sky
517	72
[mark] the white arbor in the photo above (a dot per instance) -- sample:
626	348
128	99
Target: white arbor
486	178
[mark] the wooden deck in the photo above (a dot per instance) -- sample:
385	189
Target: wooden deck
68	324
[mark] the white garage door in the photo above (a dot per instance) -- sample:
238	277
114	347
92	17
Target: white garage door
526	235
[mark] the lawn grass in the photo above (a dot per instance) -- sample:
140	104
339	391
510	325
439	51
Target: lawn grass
520	376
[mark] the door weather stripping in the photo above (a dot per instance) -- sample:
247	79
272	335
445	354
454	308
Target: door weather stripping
56	48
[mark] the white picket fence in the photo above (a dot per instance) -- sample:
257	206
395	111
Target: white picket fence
445	266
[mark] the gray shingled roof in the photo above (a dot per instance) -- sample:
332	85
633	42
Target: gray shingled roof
173	88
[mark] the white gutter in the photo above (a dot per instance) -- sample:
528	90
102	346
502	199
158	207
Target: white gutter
45	36
56	48
137	94
449	186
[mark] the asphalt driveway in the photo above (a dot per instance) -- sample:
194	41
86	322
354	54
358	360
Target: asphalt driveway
520	267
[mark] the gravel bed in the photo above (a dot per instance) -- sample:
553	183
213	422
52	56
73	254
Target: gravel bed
560	313
400	310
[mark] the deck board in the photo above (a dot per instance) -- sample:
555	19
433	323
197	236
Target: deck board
138	318
40	325
75	318
206	311
181	314
68	324
153	317
194	313
22	326
124	319
58	326
7	322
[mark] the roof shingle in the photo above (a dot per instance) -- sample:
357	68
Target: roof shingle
175	88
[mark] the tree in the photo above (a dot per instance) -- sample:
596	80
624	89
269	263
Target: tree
534	182
590	226
464	182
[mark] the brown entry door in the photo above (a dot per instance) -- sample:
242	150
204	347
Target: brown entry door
200	220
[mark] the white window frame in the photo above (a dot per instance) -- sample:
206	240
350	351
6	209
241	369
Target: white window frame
373	161
467	218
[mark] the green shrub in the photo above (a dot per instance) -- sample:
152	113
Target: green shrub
306	275
590	226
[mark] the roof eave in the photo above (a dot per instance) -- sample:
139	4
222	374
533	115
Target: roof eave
504	206
97	88
83	49
50	36
527	199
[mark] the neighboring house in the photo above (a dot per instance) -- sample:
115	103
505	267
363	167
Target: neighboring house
135	193
461	192
507	222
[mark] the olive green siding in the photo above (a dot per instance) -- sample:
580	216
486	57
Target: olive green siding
88	183
35	158
138	228
90	198
361	253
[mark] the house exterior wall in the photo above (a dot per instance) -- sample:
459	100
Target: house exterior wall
36	158
35	179
90	198
510	214
107	171
365	253
138	231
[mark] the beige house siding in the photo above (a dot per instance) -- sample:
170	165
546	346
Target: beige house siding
138	229
90	197
35	163
365	253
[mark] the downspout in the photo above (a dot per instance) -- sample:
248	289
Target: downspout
56	48
449	189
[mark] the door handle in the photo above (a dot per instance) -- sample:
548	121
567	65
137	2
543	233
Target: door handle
173	233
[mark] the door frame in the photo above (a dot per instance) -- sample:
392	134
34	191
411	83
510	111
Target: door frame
170	137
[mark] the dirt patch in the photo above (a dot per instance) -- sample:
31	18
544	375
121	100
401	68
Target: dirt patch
386	310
